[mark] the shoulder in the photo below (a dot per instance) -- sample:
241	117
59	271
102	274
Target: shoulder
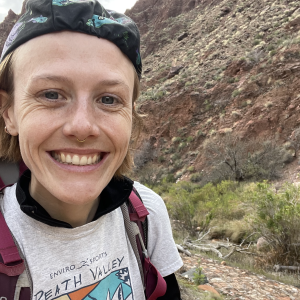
151	200
6	195
161	246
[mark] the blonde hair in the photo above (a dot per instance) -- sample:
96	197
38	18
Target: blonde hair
9	145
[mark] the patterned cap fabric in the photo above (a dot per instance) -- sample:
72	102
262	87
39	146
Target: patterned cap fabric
86	16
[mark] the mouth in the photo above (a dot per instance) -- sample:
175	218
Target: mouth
77	159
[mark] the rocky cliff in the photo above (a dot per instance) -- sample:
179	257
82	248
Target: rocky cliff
217	67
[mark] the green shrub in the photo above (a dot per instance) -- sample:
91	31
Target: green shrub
231	80
163	79
208	106
209	84
170	178
256	42
161	159
191	169
169	150
175	156
182	145
189	139
176	139
278	220
197	177
195	206
200	133
235	93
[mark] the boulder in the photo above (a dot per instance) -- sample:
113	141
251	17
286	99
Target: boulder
174	71
262	244
208	288
224	11
194	95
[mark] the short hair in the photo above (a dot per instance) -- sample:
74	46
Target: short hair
9	145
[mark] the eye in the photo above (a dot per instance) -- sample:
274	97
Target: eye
51	95
108	100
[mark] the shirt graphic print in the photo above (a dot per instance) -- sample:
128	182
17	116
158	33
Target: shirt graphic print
115	286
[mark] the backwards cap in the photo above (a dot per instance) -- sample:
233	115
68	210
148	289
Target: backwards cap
86	16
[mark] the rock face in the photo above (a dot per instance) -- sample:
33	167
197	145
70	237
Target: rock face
240	73
154	15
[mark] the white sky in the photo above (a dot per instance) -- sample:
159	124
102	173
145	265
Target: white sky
16	6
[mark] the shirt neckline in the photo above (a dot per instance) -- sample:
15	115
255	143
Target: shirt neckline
113	196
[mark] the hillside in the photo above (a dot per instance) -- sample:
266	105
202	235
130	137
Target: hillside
239	65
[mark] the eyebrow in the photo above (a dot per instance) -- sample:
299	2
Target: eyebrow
56	78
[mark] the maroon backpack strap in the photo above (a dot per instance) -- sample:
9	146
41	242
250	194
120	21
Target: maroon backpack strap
155	285
11	264
140	211
9	252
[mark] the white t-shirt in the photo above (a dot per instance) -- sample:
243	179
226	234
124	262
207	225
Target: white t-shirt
94	261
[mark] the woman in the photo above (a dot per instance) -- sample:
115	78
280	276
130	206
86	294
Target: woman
69	79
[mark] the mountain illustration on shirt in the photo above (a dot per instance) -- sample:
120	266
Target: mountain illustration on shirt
116	286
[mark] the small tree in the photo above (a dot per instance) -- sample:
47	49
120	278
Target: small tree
144	154
232	158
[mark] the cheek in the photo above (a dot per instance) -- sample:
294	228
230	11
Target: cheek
119	131
36	126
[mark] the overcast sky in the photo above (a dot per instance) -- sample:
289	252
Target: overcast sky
16	6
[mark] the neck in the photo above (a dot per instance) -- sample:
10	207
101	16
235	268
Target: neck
75	215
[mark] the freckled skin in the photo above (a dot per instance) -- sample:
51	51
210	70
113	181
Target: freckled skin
80	69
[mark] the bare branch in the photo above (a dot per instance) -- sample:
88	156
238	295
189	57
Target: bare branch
243	241
278	268
204	249
181	249
230	253
203	236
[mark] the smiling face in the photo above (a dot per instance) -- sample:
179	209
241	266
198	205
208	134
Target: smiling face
71	87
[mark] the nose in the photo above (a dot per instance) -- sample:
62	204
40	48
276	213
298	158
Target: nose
81	121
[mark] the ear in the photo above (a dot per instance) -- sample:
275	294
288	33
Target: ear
8	114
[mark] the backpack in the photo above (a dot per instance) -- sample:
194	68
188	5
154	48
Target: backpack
22	168
135	221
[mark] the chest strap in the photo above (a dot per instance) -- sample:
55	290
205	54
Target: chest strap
12	265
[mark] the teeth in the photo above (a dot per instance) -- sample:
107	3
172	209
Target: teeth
83	161
95	158
76	159
68	159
